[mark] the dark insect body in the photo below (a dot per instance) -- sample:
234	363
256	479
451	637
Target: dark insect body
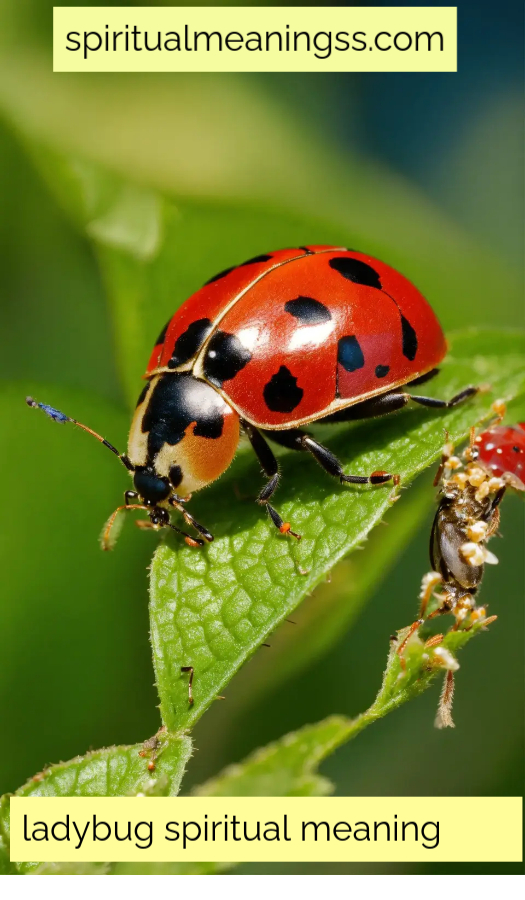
471	490
312	334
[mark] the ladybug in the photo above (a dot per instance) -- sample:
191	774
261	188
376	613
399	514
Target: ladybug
286	339
501	450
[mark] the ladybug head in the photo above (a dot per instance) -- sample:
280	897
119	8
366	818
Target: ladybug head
150	486
183	436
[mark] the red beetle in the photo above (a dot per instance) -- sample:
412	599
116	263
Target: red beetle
501	450
314	334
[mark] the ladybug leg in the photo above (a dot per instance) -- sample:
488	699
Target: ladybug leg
271	469
299	440
188	518
331	464
444	404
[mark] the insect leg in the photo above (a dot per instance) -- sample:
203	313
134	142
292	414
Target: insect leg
271	469
190	682
435	403
188	518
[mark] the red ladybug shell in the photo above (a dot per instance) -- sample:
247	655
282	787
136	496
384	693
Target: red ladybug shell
502	450
292	336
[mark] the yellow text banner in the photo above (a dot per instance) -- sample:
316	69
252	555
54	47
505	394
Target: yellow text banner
254	39
267	829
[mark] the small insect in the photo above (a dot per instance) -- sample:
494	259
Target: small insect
471	490
286	339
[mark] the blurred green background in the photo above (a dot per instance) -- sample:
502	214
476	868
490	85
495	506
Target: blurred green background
423	170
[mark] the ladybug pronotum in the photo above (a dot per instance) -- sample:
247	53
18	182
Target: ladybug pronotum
312	334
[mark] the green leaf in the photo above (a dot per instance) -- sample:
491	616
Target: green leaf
112	772
330	611
212	609
288	767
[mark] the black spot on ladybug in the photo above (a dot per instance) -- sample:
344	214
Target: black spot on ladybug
349	353
142	394
162	335
355	270
189	342
409	339
220	275
281	394
177	400
225	357
307	310
381	371
175	476
264	257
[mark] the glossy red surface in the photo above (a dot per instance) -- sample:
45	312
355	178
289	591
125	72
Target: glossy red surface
502	450
250	303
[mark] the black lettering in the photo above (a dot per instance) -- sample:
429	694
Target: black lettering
257	835
88	34
271	832
326	50
270	34
64	825
376	826
172	831
144	842
377	38
298	34
364	828
233	36
127	836
187	837
235	822
358	40
429	38
405	824
72	41
341	39
135	33
257	39
427	837
401	34
345	828
80	836
316	826
96	826
208	36
175	39
157	46
36	831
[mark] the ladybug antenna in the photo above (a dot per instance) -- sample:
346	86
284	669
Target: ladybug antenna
61	417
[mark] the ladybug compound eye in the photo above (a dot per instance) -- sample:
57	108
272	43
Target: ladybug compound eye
148	484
